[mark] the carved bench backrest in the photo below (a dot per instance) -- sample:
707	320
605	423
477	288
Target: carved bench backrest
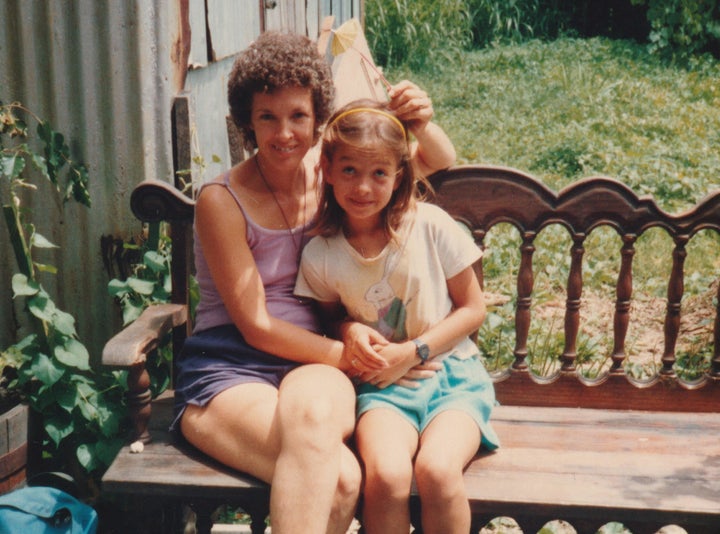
483	196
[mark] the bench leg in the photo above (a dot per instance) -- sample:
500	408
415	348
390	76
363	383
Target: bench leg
258	513
203	516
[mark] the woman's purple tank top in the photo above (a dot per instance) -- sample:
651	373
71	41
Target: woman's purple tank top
276	257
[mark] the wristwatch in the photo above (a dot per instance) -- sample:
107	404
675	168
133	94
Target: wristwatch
421	349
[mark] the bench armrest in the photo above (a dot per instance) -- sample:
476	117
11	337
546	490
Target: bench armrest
132	345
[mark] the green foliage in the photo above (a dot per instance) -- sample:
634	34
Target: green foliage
681	29
419	33
515	21
574	108
149	283
50	366
426	33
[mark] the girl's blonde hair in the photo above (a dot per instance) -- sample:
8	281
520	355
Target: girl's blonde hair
366	125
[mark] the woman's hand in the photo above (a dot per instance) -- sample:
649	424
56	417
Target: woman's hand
412	105
361	348
432	149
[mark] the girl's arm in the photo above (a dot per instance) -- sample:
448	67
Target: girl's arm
432	150
221	229
467	315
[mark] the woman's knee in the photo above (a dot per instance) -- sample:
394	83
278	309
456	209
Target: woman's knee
318	399
350	477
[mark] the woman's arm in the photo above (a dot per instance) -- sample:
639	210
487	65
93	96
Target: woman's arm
433	149
221	229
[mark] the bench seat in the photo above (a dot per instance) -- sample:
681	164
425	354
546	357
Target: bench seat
587	466
611	449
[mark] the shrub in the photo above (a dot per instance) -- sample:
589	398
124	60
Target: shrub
419	33
683	28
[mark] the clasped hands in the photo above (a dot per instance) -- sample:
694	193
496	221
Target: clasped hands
375	360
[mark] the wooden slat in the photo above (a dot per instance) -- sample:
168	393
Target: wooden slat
615	393
166	467
610	465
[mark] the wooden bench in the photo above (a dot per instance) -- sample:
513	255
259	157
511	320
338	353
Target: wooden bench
585	451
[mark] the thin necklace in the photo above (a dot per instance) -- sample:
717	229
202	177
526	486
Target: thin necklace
290	229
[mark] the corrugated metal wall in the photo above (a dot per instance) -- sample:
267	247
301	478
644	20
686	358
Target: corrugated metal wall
104	74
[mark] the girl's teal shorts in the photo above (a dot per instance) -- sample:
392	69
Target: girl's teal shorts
462	385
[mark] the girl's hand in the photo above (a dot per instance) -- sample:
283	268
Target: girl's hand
412	105
419	372
400	358
361	348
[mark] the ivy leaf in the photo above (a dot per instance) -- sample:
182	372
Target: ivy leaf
40	241
89	411
117	288
68	399
86	456
64	323
109	420
45	268
23	287
42	307
58	427
143	287
56	151
107	449
39	162
12	166
130	313
46	370
73	354
155	261
78	186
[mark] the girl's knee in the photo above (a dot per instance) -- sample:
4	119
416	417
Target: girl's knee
436	476
390	480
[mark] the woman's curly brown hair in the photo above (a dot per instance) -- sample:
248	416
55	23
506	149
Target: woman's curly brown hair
275	61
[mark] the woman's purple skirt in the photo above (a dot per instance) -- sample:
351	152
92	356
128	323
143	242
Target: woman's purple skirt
219	358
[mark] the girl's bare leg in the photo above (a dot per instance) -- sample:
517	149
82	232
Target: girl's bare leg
292	439
387	443
447	444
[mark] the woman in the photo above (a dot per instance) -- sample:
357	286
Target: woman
259	388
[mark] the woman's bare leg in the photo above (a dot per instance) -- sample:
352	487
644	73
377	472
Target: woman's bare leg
316	476
292	439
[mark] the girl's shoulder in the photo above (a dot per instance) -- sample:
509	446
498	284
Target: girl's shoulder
432	214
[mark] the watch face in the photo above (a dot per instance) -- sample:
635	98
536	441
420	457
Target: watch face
422	350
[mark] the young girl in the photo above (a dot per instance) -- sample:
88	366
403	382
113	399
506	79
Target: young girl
403	268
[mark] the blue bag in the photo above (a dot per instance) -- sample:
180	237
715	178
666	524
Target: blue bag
45	510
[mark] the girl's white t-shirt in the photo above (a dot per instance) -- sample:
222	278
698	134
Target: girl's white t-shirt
402	291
